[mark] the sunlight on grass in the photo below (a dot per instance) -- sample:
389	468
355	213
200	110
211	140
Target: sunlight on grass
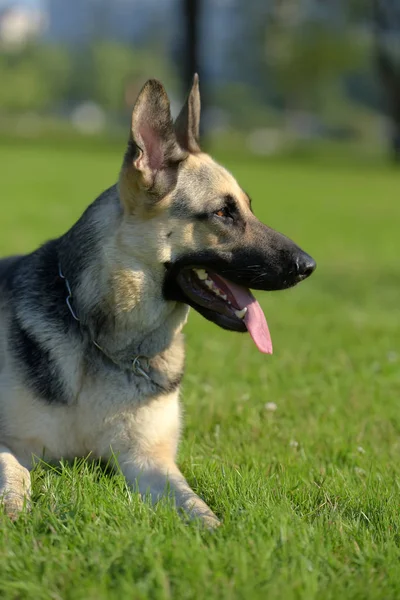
308	491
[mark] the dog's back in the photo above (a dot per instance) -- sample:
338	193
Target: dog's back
7	266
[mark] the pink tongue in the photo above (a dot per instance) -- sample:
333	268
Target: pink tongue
254	319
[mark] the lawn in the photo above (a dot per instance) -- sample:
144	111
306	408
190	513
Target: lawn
308	487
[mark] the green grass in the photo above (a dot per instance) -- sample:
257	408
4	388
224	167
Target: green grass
309	493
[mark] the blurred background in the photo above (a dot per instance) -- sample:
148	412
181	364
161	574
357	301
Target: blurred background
301	101
277	76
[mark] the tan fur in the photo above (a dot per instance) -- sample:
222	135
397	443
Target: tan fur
105	420
132	233
14	482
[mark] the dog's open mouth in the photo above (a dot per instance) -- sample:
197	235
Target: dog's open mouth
234	304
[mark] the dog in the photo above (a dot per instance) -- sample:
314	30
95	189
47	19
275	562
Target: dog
91	344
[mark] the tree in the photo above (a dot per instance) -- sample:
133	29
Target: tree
34	78
191	13
387	50
191	10
306	60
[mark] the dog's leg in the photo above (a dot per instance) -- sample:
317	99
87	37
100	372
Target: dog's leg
144	442
14	483
160	480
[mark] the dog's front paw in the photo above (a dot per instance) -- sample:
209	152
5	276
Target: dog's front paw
210	522
12	504
206	519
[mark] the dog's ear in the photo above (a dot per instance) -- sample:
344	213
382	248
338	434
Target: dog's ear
153	146
187	125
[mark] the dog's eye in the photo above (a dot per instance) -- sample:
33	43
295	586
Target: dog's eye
223	213
228	211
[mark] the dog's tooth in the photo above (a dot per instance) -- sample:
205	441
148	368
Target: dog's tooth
210	284
241	313
201	274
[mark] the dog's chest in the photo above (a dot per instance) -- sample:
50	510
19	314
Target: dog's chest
109	413
105	406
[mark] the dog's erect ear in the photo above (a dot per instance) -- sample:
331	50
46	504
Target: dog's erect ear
153	143
187	125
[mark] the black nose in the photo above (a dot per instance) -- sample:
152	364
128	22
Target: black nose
305	265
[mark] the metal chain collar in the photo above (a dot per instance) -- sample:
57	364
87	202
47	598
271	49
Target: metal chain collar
136	366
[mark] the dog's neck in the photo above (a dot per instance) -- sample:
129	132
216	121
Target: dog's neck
117	297
127	319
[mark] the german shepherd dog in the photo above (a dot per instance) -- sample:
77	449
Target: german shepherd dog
91	349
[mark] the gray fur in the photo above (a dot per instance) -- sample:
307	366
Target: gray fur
91	345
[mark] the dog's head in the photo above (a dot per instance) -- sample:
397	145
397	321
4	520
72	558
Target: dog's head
199	233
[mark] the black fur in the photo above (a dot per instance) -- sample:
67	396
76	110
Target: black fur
7	269
263	259
39	295
38	288
82	242
39	370
181	209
